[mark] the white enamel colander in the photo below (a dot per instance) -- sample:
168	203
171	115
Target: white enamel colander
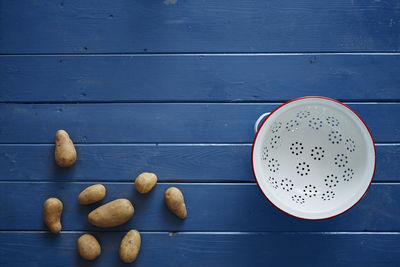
313	157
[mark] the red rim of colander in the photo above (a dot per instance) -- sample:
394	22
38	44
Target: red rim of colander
255	138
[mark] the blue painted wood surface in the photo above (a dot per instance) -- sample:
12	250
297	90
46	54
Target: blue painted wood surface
210	249
244	77
211	207
171	162
98	26
162	122
174	87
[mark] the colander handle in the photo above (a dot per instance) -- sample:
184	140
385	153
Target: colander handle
259	120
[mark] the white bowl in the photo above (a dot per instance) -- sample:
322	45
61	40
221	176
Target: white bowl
313	158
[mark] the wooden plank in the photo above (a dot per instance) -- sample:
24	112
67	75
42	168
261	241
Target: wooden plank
161	122
173	162
208	249
193	26
211	207
364	77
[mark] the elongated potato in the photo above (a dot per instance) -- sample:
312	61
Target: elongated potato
175	202
92	194
64	153
145	182
130	246
88	247
52	210
112	214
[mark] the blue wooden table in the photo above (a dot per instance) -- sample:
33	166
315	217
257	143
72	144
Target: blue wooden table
174	87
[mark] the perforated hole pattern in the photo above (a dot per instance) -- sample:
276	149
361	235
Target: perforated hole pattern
348	174
315	123
328	195
350	145
317	153
341	160
287	185
298	199
292	125
265	153
296	148
275	128
303	114
303	168
335	137
310	191
332	121
273	165
273	182
275	141
331	180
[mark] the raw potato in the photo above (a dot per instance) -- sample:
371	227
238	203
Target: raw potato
65	153
175	202
92	194
145	182
52	210
130	246
114	213
88	247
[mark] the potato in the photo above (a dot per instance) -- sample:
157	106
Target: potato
130	246
145	182
88	247
52	210
92	194
175	202
113	213
64	153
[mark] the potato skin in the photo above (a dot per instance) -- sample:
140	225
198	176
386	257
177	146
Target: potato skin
52	210
92	194
130	246
112	214
175	202
64	153
88	247
145	182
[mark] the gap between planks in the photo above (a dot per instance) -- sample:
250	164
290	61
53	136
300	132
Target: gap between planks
169	182
208	232
209	102
382	53
157	144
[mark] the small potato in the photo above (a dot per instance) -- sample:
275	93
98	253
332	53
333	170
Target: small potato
145	182
52	210
112	214
64	153
88	247
175	202
92	194
130	246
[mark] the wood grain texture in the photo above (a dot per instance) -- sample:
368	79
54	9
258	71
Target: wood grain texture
171	162
198	77
198	26
171	82
208	249
211	207
165	122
